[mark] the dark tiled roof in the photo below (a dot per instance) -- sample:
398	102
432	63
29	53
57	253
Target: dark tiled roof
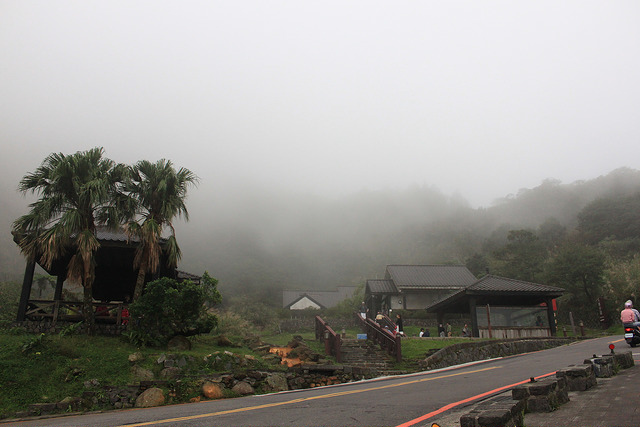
379	286
430	276
183	275
502	284
106	234
501	289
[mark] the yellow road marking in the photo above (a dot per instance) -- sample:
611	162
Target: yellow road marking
304	399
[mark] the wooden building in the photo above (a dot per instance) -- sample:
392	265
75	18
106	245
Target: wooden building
503	308
114	282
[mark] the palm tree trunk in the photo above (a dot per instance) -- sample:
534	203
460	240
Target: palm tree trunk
87	307
142	273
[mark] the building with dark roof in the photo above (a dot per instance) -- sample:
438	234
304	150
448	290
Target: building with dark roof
497	306
300	300
115	275
503	308
414	287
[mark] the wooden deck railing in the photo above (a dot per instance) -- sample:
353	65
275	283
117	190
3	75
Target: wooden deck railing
71	311
384	337
332	341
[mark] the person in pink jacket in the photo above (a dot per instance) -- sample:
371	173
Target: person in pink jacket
630	314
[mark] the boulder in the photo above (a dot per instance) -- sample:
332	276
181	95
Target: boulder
212	390
179	343
136	357
223	341
141	374
150	397
170	373
276	382
243	389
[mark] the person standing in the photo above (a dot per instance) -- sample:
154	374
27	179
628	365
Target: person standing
363	310
448	329
465	331
399	326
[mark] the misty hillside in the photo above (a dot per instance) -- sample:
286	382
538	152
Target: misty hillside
314	243
262	241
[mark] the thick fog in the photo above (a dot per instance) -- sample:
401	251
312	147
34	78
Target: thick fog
286	108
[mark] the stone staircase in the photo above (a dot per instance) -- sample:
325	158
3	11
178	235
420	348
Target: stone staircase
365	354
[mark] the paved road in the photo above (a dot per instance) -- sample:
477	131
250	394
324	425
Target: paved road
413	400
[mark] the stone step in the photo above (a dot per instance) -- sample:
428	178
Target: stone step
364	354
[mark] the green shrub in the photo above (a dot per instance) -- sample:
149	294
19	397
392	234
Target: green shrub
169	308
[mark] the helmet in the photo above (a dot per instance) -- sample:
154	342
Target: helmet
628	303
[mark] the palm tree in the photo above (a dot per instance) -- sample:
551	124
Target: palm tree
160	192
77	193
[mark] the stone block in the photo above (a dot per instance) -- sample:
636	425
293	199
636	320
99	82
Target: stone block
520	392
579	377
542	388
494	418
468	420
603	367
623	359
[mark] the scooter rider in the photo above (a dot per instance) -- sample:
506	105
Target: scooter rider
630	314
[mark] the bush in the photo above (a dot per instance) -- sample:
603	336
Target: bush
169	308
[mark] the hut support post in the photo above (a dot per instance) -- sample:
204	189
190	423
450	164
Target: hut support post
57	296
551	317
27	282
474	317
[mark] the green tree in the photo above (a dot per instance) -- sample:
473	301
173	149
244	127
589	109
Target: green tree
613	217
77	193
160	192
169	308
580	270
522	257
551	233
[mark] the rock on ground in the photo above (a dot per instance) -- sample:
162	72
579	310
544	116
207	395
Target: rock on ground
150	397
212	390
243	389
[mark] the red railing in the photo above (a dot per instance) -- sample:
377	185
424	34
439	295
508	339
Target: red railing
332	341
386	338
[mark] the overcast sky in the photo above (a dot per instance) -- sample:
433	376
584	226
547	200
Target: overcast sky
479	98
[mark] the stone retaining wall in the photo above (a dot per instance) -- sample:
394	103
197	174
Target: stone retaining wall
480	350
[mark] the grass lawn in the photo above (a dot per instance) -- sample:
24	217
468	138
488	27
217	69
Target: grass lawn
56	367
